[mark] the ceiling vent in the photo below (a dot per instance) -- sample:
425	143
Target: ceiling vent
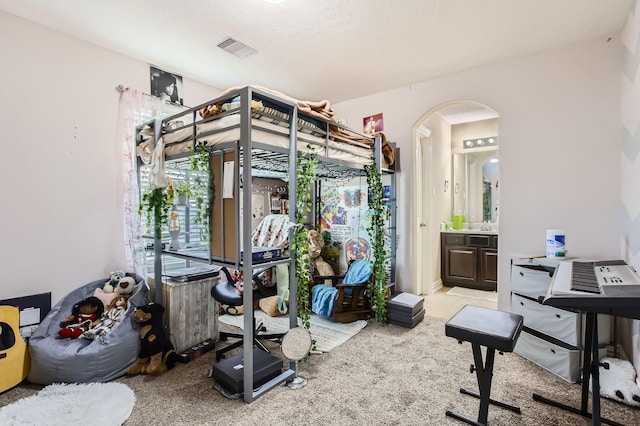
236	47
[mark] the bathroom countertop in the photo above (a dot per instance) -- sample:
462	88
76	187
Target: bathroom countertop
469	231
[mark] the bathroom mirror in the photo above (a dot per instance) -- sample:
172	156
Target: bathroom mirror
475	178
474	168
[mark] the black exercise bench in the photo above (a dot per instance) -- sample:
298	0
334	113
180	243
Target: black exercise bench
495	330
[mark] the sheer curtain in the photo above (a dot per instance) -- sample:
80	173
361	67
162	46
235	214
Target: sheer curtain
134	108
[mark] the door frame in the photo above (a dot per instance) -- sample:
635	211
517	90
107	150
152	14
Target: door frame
422	269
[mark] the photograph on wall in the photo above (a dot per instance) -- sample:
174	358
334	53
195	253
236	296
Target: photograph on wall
372	124
166	86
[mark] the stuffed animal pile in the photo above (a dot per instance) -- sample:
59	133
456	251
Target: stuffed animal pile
156	354
113	281
118	284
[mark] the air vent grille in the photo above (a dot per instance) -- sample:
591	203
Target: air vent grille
236	47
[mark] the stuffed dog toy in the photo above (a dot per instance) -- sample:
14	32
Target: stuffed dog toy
125	286
156	354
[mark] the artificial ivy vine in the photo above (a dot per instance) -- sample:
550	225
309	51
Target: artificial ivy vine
379	285
156	204
307	166
203	189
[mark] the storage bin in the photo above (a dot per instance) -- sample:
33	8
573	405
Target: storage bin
560	360
563	325
531	280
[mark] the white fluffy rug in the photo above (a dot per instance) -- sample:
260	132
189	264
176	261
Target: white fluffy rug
327	334
104	404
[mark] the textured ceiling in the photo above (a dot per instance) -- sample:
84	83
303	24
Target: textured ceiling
327	49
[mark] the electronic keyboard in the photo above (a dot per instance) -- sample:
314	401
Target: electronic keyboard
608	277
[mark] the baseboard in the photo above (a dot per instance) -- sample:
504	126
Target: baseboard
435	286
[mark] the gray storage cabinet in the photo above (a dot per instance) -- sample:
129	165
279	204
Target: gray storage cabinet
552	338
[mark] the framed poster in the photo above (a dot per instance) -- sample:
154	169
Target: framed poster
166	86
372	124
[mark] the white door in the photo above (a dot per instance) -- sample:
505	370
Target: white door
424	258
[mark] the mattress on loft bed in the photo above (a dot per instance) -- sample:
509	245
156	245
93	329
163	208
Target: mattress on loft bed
268	134
270	126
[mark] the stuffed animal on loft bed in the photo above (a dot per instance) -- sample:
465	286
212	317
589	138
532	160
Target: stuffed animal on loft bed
84	315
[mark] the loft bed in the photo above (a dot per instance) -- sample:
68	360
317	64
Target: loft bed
223	120
262	132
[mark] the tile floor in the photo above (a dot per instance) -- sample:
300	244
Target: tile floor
443	306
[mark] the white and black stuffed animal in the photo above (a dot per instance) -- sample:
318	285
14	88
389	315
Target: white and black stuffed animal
618	381
156	354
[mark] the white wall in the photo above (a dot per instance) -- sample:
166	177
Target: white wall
630	166
60	181
559	156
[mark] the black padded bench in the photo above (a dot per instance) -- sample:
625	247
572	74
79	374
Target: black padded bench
494	330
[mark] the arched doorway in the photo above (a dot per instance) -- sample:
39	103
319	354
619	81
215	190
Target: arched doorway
441	186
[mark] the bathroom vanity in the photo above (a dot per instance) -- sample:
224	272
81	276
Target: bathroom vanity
469	259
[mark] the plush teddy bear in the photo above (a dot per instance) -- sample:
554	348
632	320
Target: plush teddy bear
316	243
113	281
156	354
84	315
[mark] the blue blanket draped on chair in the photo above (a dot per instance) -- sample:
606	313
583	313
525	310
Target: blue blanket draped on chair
323	296
359	272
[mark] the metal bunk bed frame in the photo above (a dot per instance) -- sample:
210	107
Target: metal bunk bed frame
243	149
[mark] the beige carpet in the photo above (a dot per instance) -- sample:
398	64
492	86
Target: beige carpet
326	334
382	376
471	293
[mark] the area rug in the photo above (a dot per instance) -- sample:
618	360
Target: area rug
104	404
471	293
327	334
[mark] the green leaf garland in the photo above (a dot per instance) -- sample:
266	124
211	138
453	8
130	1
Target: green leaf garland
307	166
376	232
203	189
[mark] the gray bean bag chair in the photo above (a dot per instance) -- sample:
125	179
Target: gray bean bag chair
56	360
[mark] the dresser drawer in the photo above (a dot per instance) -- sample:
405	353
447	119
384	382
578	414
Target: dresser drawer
530	280
454	239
